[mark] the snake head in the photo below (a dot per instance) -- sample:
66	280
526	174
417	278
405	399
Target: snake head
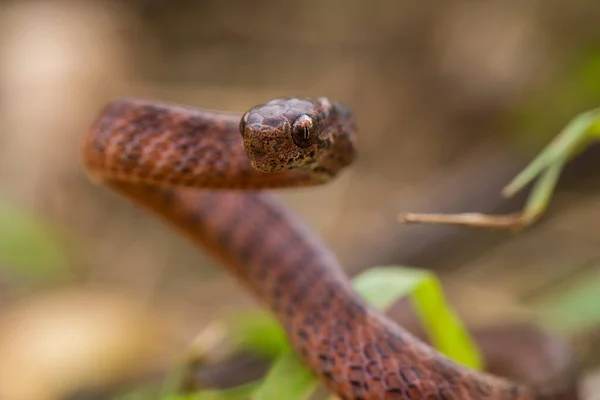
287	133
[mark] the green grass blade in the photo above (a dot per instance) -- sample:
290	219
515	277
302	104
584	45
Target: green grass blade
561	147
542	192
443	326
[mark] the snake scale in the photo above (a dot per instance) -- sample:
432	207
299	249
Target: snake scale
203	173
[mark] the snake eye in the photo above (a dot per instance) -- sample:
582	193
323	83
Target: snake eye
304	131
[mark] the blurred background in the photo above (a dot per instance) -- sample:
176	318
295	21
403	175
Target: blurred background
452	99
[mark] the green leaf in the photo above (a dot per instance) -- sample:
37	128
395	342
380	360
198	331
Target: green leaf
259	332
287	379
383	286
542	192
445	329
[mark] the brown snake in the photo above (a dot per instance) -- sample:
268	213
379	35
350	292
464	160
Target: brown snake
156	154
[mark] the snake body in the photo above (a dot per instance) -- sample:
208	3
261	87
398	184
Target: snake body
159	155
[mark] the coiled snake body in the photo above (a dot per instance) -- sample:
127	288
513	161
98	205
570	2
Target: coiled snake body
157	154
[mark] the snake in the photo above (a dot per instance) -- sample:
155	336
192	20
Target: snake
210	176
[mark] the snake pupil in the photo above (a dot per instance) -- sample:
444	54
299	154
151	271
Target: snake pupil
304	131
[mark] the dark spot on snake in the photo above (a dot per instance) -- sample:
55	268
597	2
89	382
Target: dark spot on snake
303	334
404	378
356	384
373	368
325	358
370	352
285	278
352	314
319	319
416	373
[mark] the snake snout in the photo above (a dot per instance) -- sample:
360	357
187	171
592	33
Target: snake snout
265	154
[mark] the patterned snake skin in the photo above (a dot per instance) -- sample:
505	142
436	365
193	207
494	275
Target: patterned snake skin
175	161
